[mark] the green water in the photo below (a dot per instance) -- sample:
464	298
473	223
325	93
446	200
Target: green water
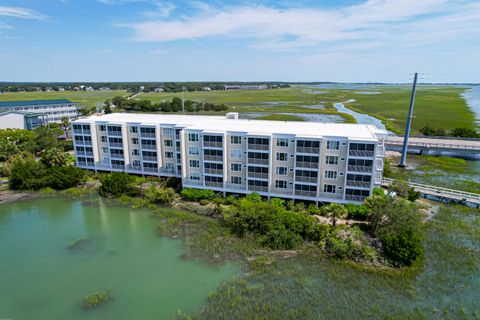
41	279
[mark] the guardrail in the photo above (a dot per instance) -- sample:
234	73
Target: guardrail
434	145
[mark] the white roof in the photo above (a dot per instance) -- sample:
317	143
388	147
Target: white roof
221	124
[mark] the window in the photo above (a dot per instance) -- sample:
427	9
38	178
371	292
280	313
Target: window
236	167
193	150
281	171
133	129
282	156
168	154
135	152
235	139
236	180
104	149
236	154
168	143
170	166
195	176
329	188
282	142
168	131
331	160
103	128
194	164
104	138
280	184
333	145
134	140
330	174
136	163
192	137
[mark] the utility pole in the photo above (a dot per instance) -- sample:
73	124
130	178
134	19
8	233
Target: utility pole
403	160
183	102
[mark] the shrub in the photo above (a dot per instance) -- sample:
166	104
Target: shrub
402	247
96	299
347	243
358	212
313	209
281	238
62	178
204	202
191	194
159	195
28	174
116	183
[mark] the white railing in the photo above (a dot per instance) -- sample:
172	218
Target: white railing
359	168
352	197
312	165
306	179
258	161
253	146
361	184
308	150
361	153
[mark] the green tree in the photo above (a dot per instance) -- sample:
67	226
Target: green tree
65	125
28	174
115	184
53	157
107	109
335	211
159	195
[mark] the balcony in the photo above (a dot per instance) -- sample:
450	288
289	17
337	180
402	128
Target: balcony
214	184
360	168
308	150
213	171
257	188
208	157
115	145
361	153
253	146
116	156
148	169
118	166
306	179
264	162
212	144
134	168
84	164
258	175
167	171
360	184
236	186
115	133
311	165
149	147
190	182
150	159
305	193
352	197
147	134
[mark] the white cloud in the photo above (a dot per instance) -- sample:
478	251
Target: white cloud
163	10
22	13
380	22
4	25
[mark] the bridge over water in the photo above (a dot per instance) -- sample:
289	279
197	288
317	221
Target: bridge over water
442	194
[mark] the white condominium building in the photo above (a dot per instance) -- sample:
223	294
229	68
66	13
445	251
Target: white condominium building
321	162
52	110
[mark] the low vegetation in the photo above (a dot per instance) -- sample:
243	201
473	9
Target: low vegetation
175	105
96	299
456	132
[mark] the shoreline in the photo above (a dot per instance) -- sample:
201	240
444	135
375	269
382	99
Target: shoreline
9	196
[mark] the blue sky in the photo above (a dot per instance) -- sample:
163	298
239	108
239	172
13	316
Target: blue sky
234	40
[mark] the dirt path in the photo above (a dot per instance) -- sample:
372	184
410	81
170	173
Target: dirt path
8	196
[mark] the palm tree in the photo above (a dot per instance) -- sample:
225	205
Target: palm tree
335	211
65	125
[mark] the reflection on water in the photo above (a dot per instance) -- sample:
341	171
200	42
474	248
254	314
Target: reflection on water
472	96
312	117
360	117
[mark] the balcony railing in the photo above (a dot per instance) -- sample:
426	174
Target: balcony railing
236	186
84	164
116	156
258	161
148	169
305	193
167	171
84	153
148	158
361	153
257	188
257	175
306	179
115	133
191	182
118	166
308	150
253	146
116	145
312	165
212	144
207	157
360	168
147	134
214	184
213	171
352	197
136	168
361	184
149	147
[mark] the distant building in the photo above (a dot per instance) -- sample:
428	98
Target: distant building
158	90
53	110
22	120
206	89
61	89
235	87
89	89
104	89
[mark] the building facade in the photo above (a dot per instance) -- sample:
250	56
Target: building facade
53	110
21	120
321	162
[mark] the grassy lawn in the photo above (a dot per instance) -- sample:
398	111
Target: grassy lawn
87	99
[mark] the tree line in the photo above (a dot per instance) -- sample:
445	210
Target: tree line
457	132
174	105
